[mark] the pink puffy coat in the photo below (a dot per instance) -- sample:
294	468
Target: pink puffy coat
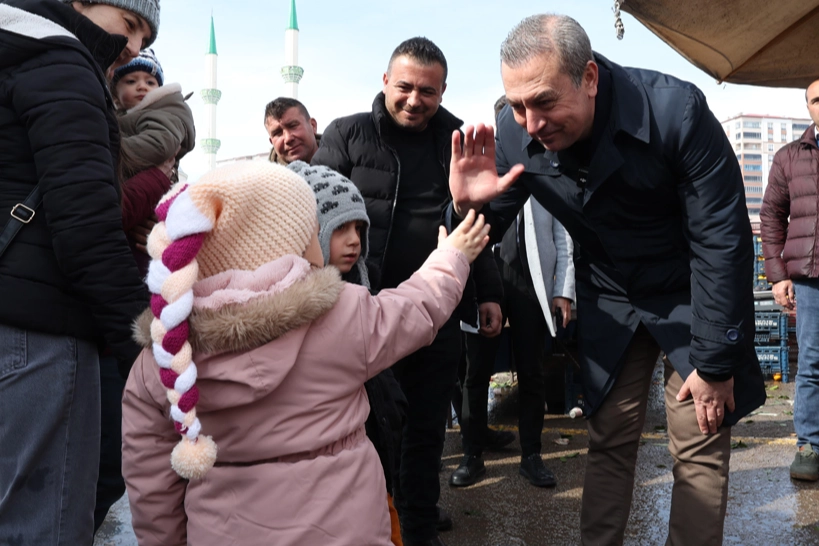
282	355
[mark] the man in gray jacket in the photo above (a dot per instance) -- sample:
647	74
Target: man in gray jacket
535	261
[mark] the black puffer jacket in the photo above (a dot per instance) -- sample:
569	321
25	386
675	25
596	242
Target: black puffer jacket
69	271
358	147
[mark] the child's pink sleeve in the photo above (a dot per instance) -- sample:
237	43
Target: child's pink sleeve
155	492
399	321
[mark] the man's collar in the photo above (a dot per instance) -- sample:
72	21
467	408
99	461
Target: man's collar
629	106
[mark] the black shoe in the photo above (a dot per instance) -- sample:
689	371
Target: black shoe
498	439
533	469
444	522
437	541
468	472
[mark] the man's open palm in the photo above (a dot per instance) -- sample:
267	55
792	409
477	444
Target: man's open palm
473	177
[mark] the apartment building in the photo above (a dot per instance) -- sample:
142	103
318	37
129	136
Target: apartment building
756	139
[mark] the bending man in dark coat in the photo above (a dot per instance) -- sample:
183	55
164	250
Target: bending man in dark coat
640	173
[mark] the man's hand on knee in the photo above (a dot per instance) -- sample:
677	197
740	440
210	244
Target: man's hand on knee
710	400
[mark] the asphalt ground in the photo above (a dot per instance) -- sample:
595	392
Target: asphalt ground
765	508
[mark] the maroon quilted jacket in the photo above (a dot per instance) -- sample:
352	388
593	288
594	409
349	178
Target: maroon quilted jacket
791	249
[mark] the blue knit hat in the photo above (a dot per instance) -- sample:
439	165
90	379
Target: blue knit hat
146	62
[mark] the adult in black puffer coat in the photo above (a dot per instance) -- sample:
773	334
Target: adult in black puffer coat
67	280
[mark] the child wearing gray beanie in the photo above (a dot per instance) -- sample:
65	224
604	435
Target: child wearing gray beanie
341	213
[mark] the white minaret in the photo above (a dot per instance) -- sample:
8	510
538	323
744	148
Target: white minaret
211	96
292	73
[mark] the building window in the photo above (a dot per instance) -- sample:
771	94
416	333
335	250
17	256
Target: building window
752	124
753	146
753	189
770	147
753	200
737	125
757	136
753	178
770	126
737	146
736	136
753	157
752	167
800	127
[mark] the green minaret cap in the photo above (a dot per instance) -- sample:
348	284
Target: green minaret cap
294	23
212	48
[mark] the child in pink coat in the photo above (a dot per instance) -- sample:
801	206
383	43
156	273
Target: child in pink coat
251	344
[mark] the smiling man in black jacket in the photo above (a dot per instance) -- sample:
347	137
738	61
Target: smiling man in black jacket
398	156
68	279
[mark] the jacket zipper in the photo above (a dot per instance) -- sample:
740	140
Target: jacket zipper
394	203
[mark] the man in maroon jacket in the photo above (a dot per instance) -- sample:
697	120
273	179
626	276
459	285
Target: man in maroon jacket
791	249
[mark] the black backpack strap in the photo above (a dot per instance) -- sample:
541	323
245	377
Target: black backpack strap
21	214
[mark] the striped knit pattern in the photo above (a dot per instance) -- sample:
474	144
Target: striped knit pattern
236	217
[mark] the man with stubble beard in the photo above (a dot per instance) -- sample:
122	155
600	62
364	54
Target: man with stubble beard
398	156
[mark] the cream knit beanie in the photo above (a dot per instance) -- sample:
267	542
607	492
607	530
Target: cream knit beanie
240	216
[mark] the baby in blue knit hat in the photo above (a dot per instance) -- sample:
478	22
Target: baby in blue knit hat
155	121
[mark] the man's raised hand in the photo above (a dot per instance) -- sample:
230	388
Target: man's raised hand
473	177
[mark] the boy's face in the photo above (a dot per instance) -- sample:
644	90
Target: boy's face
133	87
345	245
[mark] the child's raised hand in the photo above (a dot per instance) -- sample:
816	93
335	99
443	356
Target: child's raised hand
470	237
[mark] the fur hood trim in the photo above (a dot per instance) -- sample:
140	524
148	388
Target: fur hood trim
243	326
21	22
156	95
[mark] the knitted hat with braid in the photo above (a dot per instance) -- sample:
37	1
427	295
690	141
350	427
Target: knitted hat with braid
240	216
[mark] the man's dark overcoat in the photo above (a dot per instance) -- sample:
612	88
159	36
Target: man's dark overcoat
661	233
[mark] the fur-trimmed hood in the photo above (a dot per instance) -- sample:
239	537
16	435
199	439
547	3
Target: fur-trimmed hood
242	326
237	318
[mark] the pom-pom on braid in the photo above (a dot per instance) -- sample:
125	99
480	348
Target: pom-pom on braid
173	246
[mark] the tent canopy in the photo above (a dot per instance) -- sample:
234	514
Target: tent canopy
771	43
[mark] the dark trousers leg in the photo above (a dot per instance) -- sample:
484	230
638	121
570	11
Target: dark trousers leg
49	438
480	363
110	484
614	438
529	338
458	391
427	378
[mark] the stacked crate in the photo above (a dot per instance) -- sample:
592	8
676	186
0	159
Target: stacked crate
771	343
760	280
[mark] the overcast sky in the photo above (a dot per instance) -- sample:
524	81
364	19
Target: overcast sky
344	48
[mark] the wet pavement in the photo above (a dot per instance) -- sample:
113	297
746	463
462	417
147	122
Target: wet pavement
765	508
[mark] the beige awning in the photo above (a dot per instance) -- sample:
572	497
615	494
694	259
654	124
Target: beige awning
771	43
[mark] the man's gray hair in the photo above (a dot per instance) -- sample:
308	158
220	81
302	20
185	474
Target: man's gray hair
547	34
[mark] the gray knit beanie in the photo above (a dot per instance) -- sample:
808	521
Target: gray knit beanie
147	9
338	202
